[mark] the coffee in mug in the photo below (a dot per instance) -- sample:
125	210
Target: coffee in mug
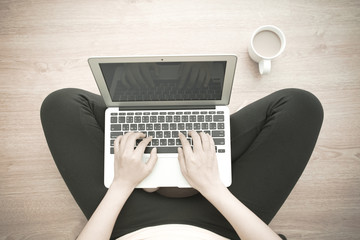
267	42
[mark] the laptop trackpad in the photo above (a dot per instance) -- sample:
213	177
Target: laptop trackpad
166	173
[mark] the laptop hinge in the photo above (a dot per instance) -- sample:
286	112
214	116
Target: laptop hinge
166	107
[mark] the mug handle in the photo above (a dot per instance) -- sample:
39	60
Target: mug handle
264	66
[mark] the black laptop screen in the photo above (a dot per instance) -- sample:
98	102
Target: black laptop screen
164	81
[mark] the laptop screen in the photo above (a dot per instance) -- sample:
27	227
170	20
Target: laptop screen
164	81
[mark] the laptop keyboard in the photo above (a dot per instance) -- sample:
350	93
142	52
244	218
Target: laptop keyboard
164	127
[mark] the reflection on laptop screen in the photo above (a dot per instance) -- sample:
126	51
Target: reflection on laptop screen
169	81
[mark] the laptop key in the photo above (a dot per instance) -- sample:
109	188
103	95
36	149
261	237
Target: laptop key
163	142
113	119
129	119
121	119
218	118
171	142
165	126
185	118
115	127
169	119
218	133
181	126
174	134
167	134
154	142
219	141
205	126
153	119
162	149
161	119
137	119
192	118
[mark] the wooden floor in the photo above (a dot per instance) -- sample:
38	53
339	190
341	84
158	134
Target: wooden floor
44	46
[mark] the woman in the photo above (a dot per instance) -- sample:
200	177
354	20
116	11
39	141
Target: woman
272	140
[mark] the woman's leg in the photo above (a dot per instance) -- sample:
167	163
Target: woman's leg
73	123
272	141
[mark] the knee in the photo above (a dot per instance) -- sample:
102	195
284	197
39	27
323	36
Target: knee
305	103
57	101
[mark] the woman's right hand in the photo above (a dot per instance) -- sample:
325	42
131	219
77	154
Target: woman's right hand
199	165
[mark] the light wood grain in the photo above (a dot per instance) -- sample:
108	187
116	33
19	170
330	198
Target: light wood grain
44	46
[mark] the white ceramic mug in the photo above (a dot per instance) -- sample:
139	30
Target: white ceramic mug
267	43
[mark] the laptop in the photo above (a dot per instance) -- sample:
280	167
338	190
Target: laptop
162	96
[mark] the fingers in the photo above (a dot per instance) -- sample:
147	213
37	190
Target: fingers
143	144
212	144
185	143
201	141
181	159
127	141
196	140
152	160
117	143
205	141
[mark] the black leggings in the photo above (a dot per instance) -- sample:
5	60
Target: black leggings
272	140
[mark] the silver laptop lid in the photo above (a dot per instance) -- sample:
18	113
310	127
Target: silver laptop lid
162	81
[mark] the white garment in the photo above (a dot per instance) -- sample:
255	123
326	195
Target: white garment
173	232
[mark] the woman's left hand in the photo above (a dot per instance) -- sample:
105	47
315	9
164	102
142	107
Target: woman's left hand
129	168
